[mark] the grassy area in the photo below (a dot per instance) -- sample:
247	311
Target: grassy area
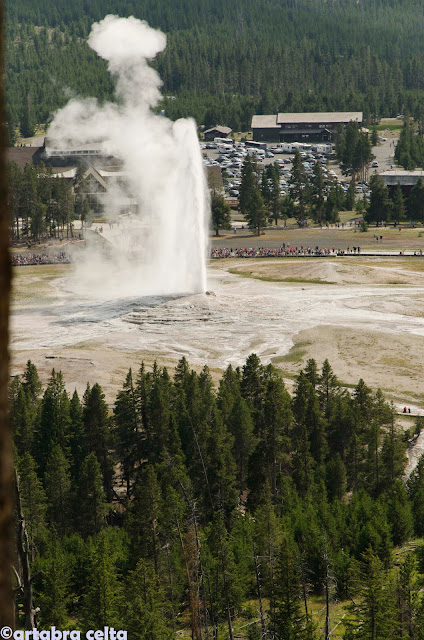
31	285
294	356
408	239
256	276
390	127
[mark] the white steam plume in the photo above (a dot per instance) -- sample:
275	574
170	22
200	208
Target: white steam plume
163	170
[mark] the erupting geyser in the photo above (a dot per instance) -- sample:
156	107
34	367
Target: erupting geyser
163	171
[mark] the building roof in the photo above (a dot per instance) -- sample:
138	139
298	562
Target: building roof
399	176
64	173
224	130
53	148
323	117
264	122
112	174
23	155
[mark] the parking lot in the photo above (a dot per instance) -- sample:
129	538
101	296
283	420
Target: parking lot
230	160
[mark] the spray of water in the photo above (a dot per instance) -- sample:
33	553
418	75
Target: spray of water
162	249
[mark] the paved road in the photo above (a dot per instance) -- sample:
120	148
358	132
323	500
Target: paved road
384	155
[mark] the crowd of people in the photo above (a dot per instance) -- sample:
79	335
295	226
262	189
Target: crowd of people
285	250
24	259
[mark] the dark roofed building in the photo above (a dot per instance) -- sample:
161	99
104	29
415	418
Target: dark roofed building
301	127
24	155
265	128
216	132
406	180
89	154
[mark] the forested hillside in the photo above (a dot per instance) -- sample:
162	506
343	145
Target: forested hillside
198	509
227	60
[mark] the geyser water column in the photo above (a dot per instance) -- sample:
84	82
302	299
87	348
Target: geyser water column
163	171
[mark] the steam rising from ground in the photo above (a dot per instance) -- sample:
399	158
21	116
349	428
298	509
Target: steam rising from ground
161	249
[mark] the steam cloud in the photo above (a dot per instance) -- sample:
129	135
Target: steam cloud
163	170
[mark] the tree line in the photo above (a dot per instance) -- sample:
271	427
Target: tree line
409	151
43	204
314	196
384	206
226	61
191	505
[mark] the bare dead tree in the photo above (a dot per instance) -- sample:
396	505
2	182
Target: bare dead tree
6	467
258	583
328	583
24	557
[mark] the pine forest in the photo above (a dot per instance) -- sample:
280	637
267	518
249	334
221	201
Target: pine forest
225	61
200	508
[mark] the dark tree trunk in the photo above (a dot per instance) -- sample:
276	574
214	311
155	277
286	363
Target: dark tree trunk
6	469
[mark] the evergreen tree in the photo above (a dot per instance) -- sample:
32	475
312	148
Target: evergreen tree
221	213
252	389
54	594
101	601
398	205
145	612
333	204
129	430
57	482
229	390
415	201
415	487
225	588
318	193
297	187
336	478
54	420
275	193
407	601
328	389
33	499
399	513
393	455
278	424
77	442
251	202
27	120
288	622
32	382
350	196
240	425
372	618
21	417
379	206
220	469
90	502
143	522
97	429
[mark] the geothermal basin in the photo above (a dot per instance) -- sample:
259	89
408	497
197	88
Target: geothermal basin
365	315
